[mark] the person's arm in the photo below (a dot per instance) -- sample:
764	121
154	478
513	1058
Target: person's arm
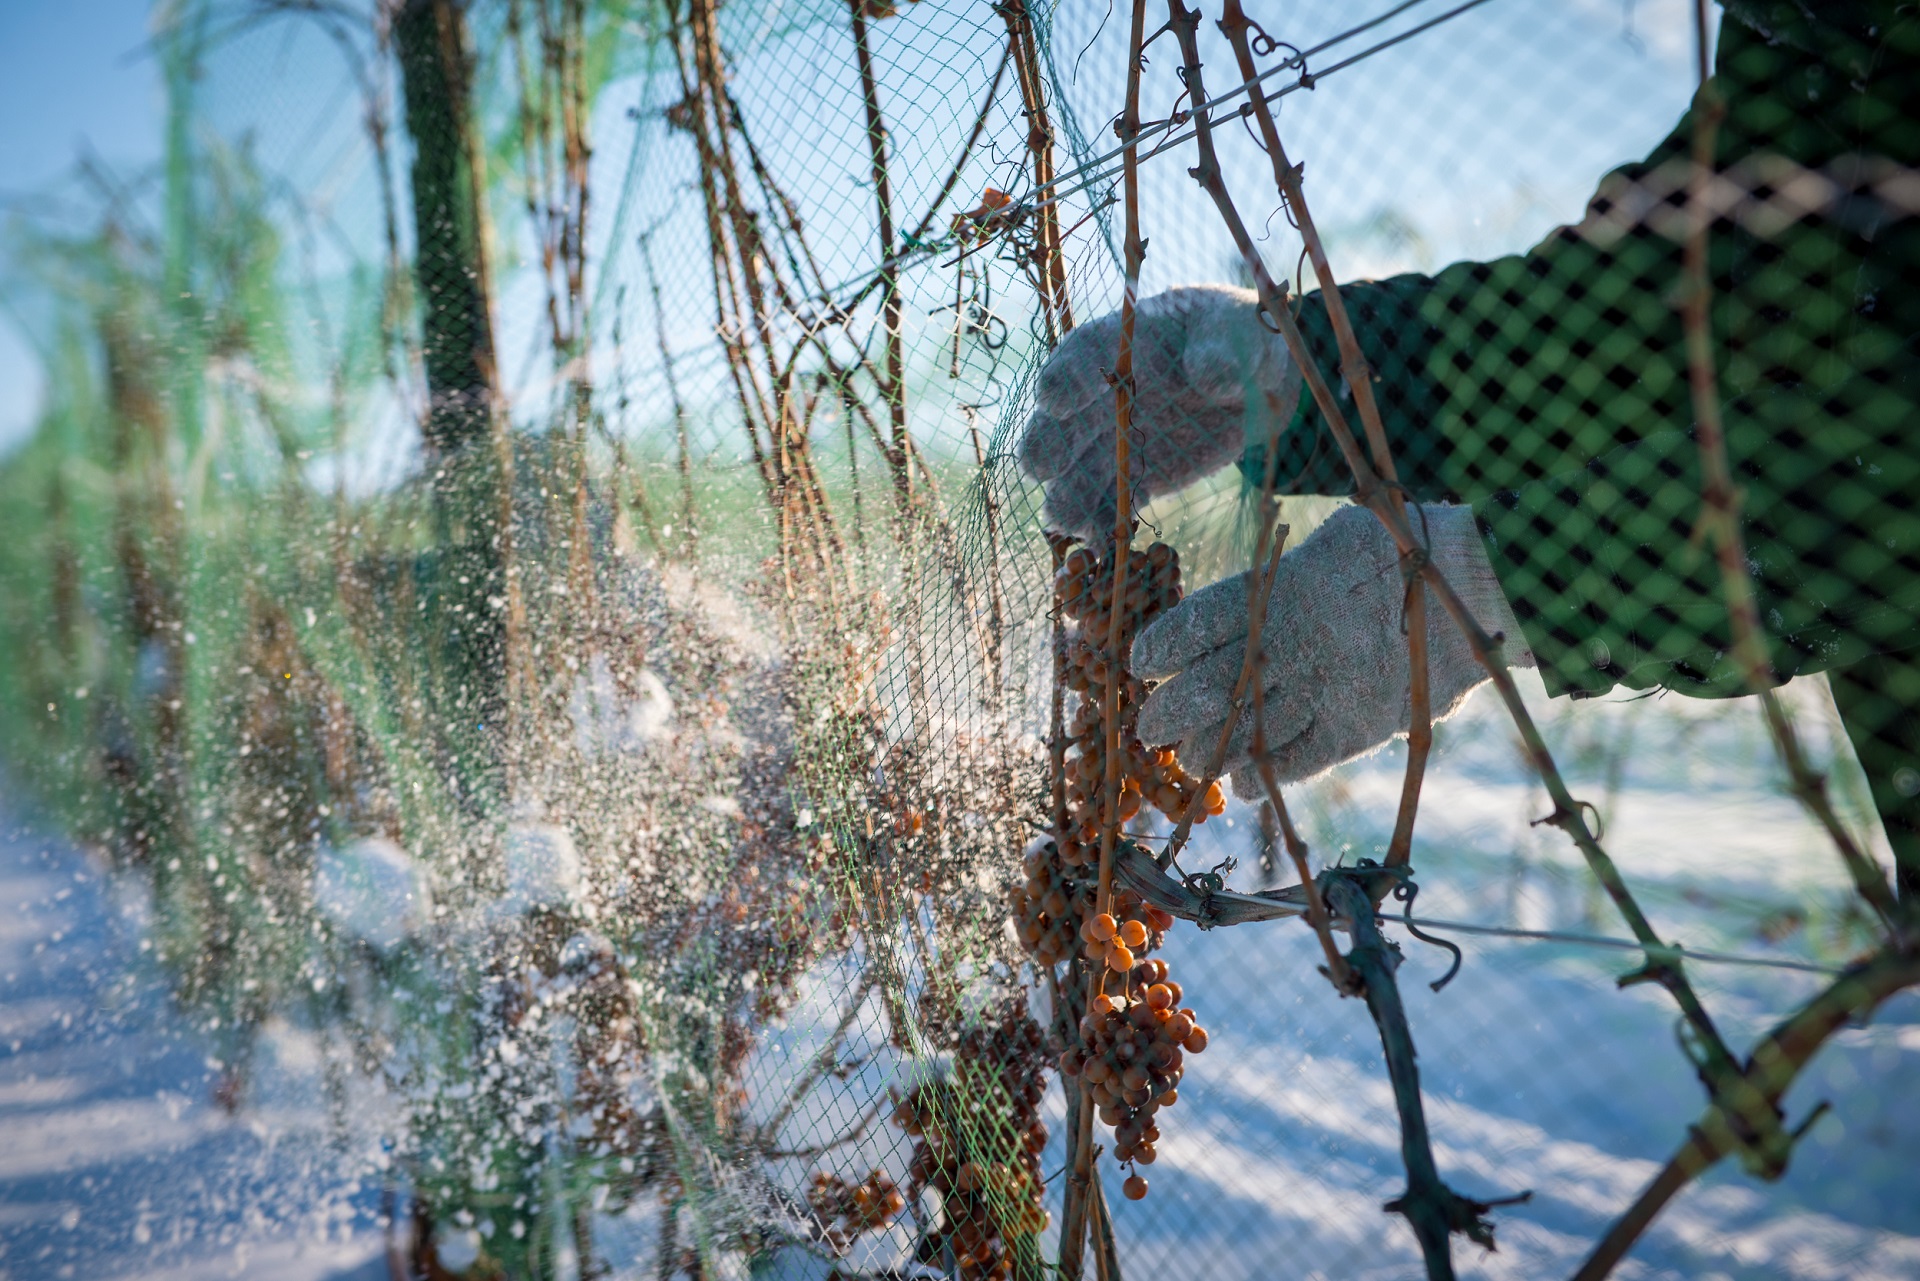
1539	409
1550	391
1613	586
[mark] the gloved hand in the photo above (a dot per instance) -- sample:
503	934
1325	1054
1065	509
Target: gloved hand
1336	675
1199	354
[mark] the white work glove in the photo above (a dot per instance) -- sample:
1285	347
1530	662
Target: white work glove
1199	353
1335	673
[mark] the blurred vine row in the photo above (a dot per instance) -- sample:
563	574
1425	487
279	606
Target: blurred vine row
482	776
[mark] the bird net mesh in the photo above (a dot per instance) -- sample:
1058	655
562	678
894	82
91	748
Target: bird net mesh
541	562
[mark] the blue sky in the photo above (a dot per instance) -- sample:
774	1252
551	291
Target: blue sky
1595	82
73	75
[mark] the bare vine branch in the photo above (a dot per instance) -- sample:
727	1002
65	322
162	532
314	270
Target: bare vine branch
1075	1226
1049	260
1729	1122
1435	1210
1744	1114
1663	964
1720	500
893	381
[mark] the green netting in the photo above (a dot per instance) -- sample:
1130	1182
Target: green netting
537	554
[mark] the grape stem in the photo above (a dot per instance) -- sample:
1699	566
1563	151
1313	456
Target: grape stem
1074	1229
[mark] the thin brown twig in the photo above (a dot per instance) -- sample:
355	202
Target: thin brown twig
1267	550
823	1062
1720	500
690	537
777	198
1663	964
1106	1252
1420	724
695	117
1359	377
785	465
997	618
1338	972
858	1131
1075	1226
1135	251
966	151
1266	568
1047	248
1056	710
893	381
1773	1066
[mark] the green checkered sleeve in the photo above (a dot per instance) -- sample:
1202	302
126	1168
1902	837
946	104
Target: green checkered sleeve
1550	390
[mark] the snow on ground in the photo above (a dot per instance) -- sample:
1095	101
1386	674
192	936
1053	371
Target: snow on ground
115	1160
1539	1074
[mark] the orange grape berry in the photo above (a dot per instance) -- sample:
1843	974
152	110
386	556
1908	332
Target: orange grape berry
1102	1003
1133	934
1102	927
1196	1040
1119	959
1135	1188
1159	996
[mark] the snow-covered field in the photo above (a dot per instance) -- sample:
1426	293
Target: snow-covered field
116	1160
1538	1073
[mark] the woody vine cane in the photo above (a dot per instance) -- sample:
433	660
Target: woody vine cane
1434	1210
1729	1124
1372	492
1723	1077
1134	251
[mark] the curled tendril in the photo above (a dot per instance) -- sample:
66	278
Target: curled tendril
1246	122
1406	891
1264	44
988	327
1212	882
1267	322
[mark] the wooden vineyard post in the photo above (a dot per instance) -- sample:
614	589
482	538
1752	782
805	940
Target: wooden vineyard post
477	595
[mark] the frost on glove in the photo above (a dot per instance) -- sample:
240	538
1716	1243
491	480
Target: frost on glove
1207	374
1336	677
